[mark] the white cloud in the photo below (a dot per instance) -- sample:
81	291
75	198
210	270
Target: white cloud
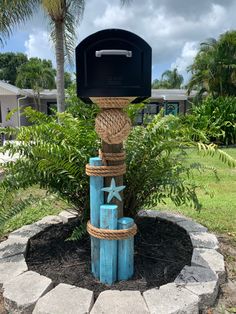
188	53
172	28
39	45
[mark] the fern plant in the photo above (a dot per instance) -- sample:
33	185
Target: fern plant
54	156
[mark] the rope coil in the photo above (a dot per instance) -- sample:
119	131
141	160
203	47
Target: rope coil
112	102
108	234
105	171
111	156
113	126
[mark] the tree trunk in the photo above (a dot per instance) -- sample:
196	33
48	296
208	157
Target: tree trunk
59	47
115	148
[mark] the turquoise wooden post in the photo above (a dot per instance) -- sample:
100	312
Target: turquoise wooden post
125	251
108	248
96	199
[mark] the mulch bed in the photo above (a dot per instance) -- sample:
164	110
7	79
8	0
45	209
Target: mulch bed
162	249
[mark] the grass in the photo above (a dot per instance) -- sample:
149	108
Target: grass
218	200
41	206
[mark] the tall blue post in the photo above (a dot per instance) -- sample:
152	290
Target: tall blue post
108	248
96	199
125	251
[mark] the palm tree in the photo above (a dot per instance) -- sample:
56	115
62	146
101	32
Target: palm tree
169	79
172	78
63	16
214	67
36	74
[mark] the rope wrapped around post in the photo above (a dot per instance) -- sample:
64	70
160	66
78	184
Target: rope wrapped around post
111	156
105	171
108	234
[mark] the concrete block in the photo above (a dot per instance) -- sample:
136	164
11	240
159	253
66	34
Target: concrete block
11	267
22	292
65	299
206	291
117	302
48	221
204	240
27	231
195	274
13	246
212	259
162	215
68	215
191	226
170	299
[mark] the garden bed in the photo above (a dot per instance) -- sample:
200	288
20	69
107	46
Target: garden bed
162	249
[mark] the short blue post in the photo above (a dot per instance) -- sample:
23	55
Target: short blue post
125	251
96	199
108	248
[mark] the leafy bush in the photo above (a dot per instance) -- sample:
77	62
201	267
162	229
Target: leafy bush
54	156
216	119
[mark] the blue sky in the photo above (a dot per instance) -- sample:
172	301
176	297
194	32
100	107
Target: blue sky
173	28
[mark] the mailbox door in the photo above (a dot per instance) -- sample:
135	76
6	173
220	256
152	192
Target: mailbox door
113	63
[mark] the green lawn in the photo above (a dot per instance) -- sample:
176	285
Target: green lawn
42	206
219	207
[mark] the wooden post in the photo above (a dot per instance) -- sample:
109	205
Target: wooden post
125	251
96	199
114	148
108	248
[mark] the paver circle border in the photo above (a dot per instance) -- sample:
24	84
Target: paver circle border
195	288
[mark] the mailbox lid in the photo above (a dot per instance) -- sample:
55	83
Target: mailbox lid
113	63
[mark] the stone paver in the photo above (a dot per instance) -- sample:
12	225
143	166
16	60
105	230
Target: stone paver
68	215
22	292
162	215
195	288
204	240
48	221
170	299
212	259
11	267
207	292
13	246
117	302
65	299
191	226
27	231
195	274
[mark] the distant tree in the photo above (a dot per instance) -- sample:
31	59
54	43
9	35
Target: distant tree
214	67
9	63
169	79
36	74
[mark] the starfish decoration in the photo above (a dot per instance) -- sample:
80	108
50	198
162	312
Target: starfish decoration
113	191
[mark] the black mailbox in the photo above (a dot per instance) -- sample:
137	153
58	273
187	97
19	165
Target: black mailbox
113	63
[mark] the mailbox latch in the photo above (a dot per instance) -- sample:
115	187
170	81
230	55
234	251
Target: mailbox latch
113	52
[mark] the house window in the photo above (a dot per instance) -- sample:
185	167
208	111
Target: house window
171	108
51	108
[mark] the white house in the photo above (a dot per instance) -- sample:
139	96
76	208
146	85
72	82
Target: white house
173	101
12	97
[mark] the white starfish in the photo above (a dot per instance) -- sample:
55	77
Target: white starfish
113	191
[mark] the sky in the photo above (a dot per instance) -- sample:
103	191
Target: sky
173	28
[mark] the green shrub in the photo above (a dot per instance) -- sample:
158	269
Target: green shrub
216	119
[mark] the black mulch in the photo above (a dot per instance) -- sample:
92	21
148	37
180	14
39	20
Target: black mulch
162	249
